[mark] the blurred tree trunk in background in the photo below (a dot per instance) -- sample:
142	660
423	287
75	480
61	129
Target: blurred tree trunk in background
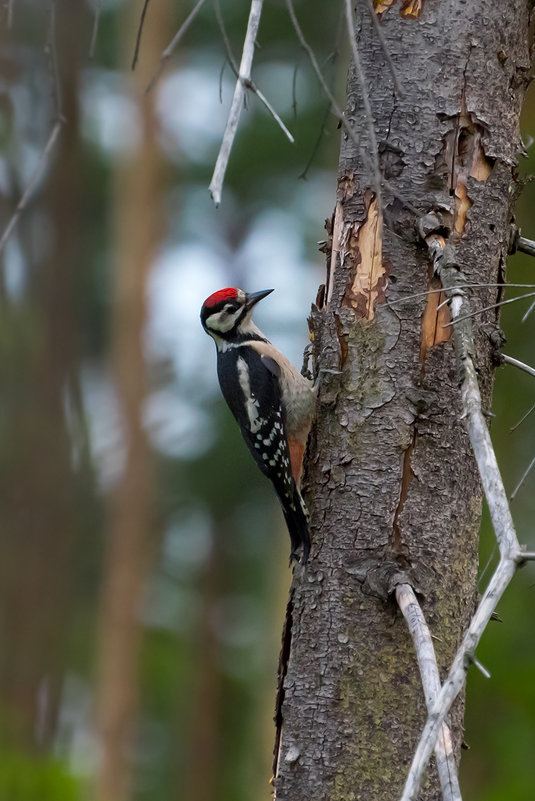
139	228
38	514
394	492
203	762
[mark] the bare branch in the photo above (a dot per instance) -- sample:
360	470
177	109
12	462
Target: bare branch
510	552
51	53
525	556
315	66
32	183
294	91
526	473
524	417
328	110
244	76
139	33
169	50
50	50
271	110
384	48
526	315
334	105
366	101
427	663
304	172
488	308
516	363
224	36
526	245
92	46
10	13
458	286
249	84
482	669
457	675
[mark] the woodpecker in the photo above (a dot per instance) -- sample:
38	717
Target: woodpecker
272	402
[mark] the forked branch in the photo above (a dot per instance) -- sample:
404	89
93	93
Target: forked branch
171	47
510	551
516	363
427	663
244	76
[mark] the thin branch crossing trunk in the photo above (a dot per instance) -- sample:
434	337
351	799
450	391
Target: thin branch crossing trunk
393	487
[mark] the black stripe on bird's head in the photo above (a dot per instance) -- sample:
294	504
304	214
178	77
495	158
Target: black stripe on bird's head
226	314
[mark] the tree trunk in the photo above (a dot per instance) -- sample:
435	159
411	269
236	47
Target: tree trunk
394	493
39	520
138	232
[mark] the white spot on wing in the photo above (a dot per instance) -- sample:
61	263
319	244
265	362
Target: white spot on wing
251	404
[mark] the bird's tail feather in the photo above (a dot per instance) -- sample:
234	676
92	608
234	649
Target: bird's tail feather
296	517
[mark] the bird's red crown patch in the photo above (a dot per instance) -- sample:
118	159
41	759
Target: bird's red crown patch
220	296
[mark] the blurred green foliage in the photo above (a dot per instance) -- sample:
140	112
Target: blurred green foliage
24	777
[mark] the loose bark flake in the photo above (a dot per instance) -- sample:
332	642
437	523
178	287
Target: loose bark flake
408	8
363	246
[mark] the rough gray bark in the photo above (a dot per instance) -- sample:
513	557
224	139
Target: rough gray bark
394	493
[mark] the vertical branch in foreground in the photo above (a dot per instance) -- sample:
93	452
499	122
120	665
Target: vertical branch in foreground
244	76
427	663
138	228
393	489
500	514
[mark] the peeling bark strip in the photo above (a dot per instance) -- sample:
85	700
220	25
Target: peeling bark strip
408	8
395	496
368	276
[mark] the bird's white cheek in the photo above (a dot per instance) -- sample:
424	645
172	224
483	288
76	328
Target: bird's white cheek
220	322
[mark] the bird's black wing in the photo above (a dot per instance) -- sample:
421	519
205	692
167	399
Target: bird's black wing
250	385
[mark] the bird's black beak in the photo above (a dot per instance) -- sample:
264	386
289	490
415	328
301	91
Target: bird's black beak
253	297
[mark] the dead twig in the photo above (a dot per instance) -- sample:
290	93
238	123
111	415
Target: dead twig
244	76
488	308
336	110
50	51
52	58
457	287
351	32
526	473
315	66
139	33
526	245
427	663
304	172
249	84
530	371
384	48
32	183
516	363
524	417
169	50
502	522
526	315
94	35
